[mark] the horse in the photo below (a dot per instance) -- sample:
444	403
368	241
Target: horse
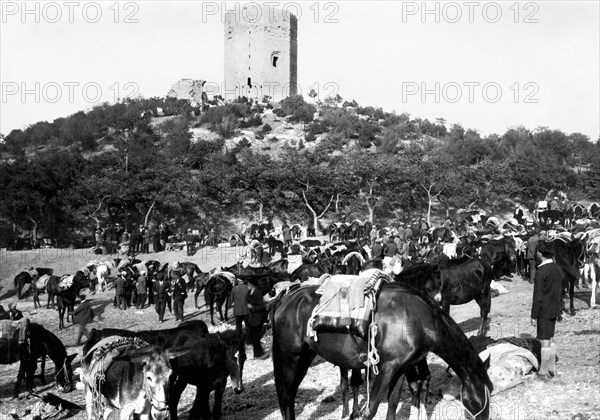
207	366
42	343
25	277
569	255
305	271
217	291
48	283
67	295
398	308
130	375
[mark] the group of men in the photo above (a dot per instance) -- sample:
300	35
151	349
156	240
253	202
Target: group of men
111	239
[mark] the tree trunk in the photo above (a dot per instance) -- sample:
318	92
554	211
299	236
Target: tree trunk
34	230
260	211
148	213
314	213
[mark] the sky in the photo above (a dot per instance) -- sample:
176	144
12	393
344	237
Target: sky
486	65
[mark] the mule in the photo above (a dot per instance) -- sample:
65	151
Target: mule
42	343
127	375
217	291
569	256
26	277
398	307
67	296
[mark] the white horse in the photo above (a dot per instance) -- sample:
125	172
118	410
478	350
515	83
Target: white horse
103	270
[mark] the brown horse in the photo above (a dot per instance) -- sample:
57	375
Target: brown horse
409	326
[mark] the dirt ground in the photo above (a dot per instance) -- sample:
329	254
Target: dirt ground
574	394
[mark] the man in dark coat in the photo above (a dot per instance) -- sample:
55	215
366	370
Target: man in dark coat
179	295
13	313
257	317
189	242
546	306
239	300
121	299
377	250
532	246
161	291
141	287
390	249
83	315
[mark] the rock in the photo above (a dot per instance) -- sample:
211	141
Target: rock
190	89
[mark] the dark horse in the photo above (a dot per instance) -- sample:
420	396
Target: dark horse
409	326
217	290
25	277
66	297
42	343
569	256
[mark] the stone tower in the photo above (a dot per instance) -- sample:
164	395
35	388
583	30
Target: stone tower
261	50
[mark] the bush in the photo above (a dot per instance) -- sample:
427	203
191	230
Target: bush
273	139
253	121
279	112
310	136
266	128
226	128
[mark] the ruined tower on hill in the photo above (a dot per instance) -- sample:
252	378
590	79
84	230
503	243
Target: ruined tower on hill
261	51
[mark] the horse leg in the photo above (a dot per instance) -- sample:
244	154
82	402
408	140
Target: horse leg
289	373
201	407
20	377
176	388
218	402
211	305
484	302
394	393
344	390
43	369
594	285
226	305
355	381
387	372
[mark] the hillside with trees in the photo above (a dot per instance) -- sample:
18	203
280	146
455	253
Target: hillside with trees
154	160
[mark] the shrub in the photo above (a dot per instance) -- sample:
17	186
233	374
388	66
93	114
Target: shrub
310	136
226	128
273	139
253	121
266	128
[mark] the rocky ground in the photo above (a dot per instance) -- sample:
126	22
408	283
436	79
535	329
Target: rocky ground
574	394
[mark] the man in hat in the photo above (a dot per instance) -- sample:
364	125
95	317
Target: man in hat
161	291
239	300
546	306
83	315
13	313
189	242
141	286
120	298
377	250
179	295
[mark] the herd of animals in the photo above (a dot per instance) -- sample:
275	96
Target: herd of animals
146	371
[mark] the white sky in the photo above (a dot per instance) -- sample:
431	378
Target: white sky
546	65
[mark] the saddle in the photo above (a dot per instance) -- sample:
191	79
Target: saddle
14	340
347	303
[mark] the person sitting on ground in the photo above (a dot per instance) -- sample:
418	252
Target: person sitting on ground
13	313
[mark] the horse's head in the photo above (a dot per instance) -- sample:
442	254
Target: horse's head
63	374
235	357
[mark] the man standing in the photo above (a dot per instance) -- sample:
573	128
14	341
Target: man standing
146	240
257	317
189	242
141	287
161	291
287	235
546	307
179	295
83	315
239	300
120	290
377	250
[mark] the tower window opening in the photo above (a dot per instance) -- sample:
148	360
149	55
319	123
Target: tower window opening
249	82
274	60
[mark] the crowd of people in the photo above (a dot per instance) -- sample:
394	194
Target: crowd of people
115	239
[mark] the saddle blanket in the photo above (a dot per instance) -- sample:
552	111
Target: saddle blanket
66	281
42	281
12	335
294	261
346	303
